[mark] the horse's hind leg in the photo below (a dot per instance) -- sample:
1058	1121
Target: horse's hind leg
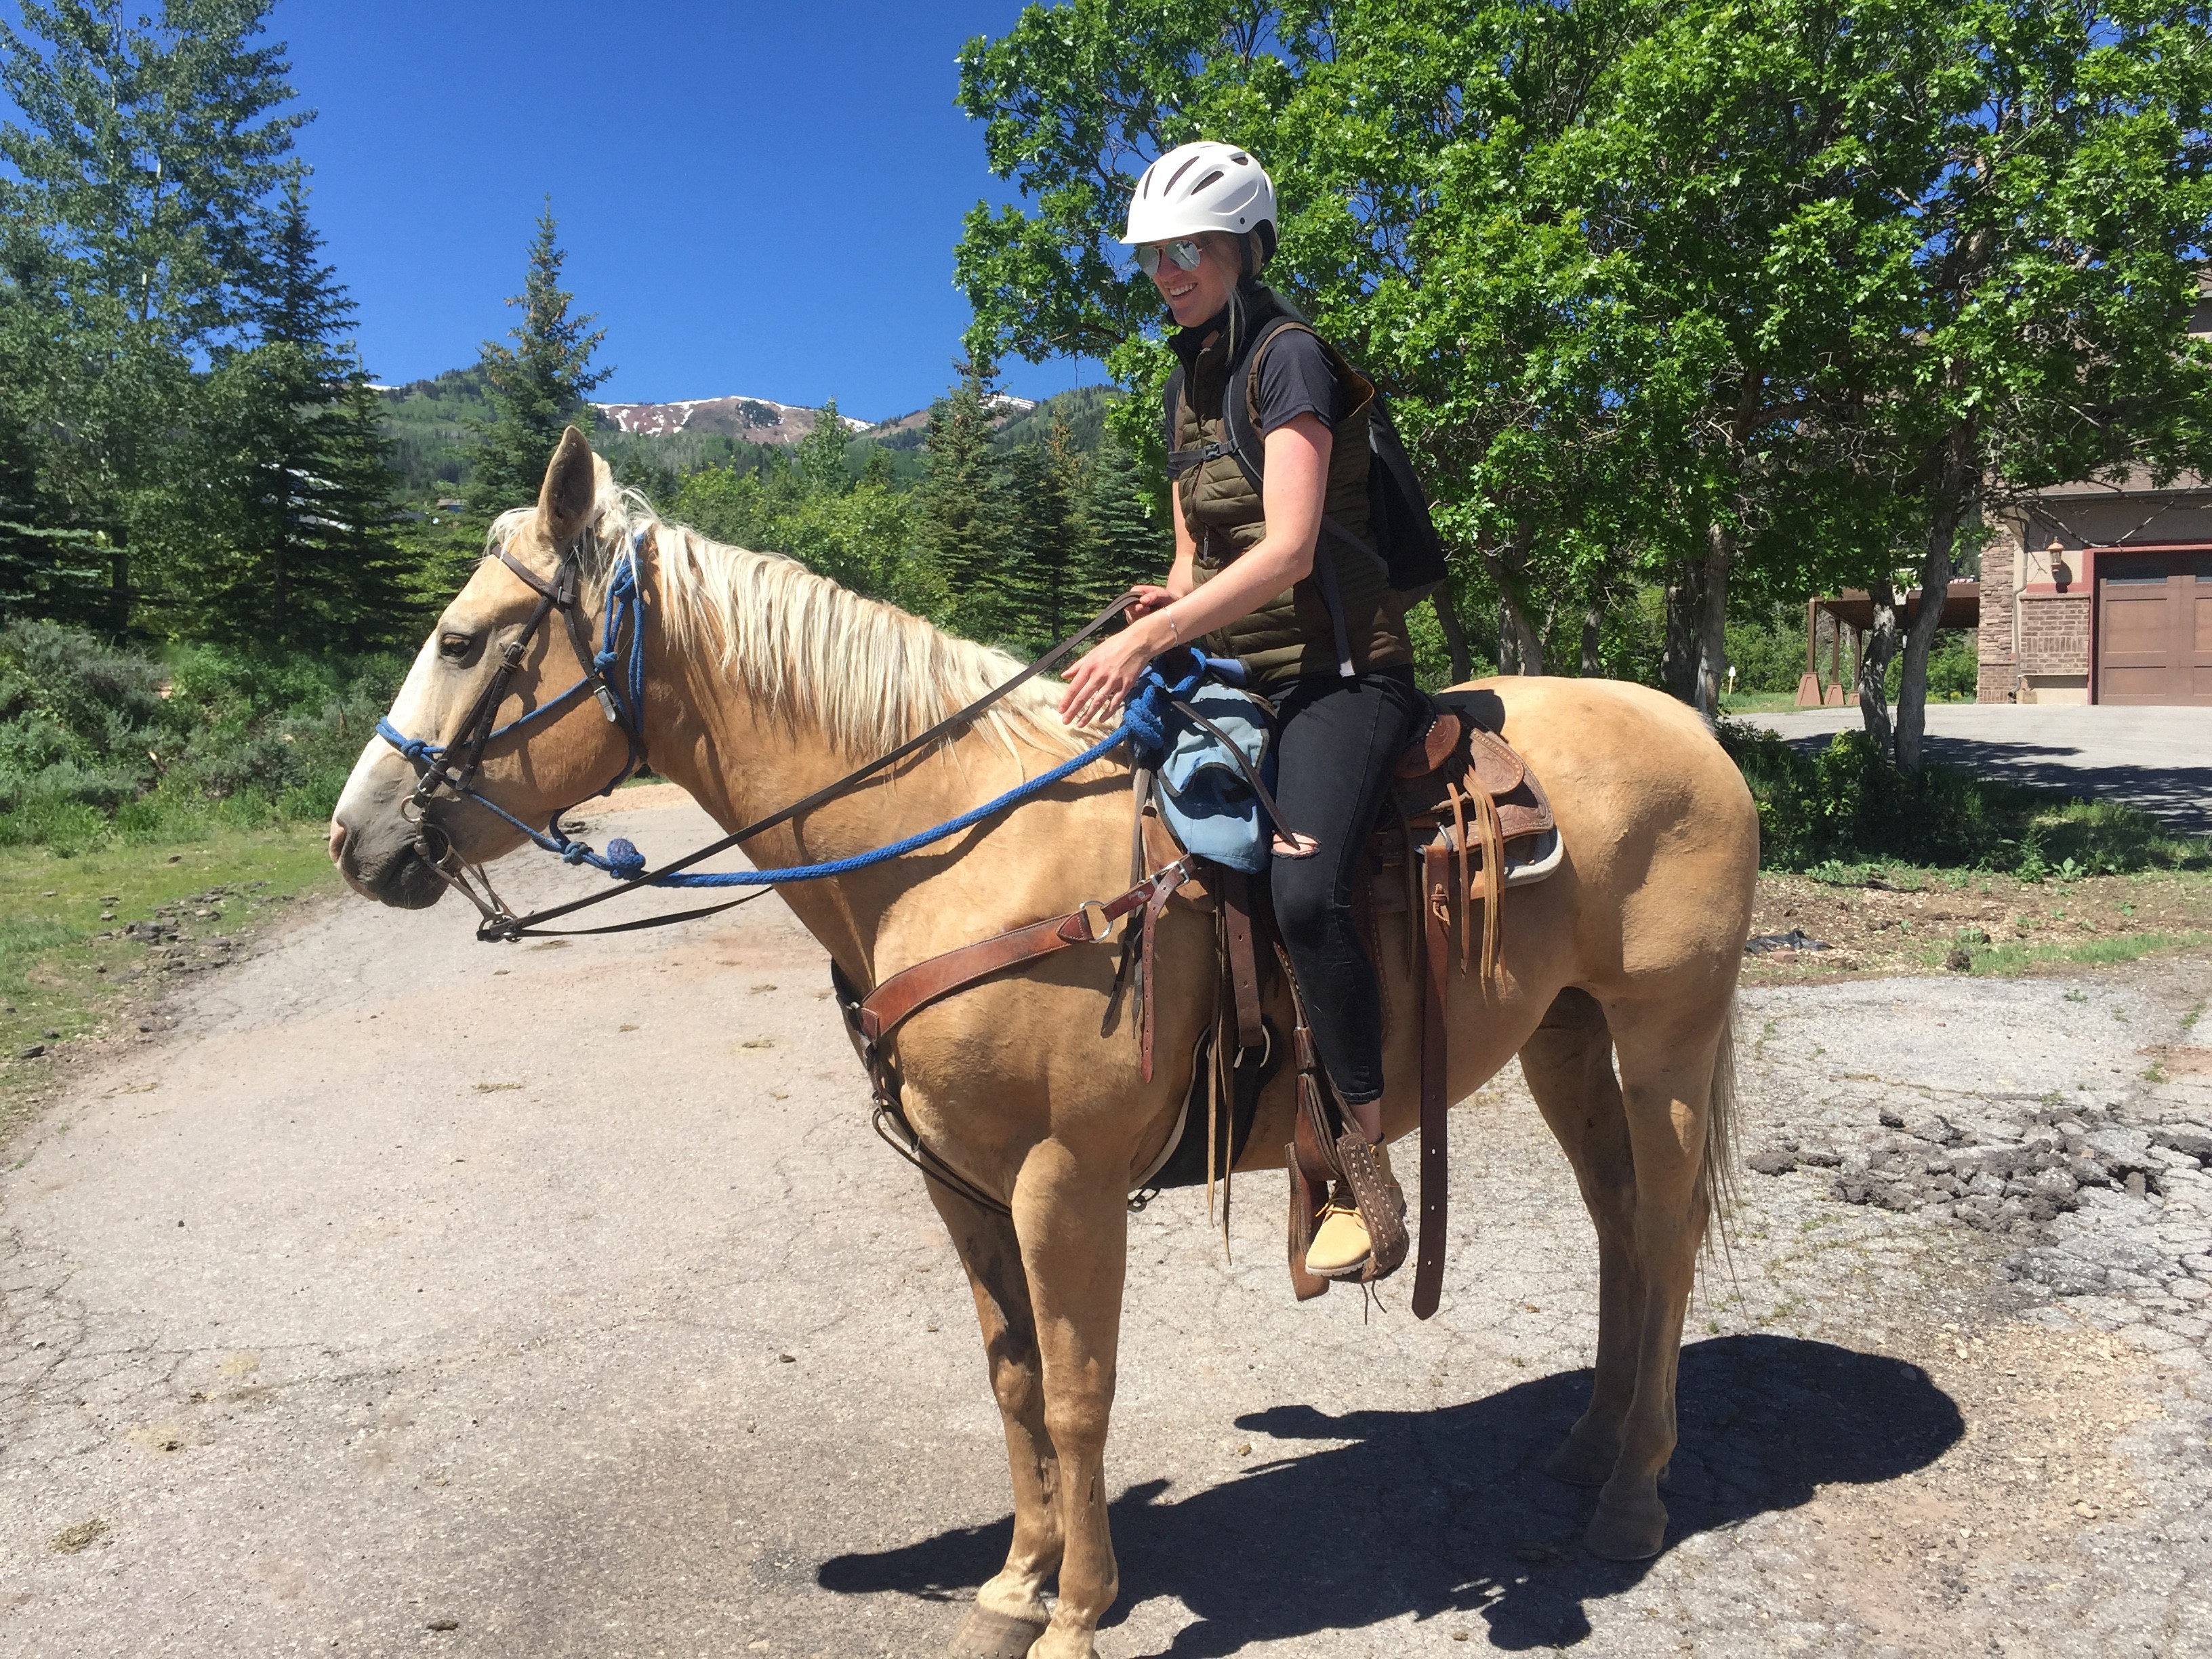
1010	1613
1568	1063
1668	1055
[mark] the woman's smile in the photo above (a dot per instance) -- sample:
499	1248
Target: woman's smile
1194	295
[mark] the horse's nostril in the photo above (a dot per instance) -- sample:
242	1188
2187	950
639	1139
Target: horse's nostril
337	840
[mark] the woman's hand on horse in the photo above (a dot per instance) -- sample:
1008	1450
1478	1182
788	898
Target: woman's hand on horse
1098	685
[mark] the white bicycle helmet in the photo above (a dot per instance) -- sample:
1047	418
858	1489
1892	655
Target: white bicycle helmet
1199	187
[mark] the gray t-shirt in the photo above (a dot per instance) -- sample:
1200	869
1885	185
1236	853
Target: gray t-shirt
1295	379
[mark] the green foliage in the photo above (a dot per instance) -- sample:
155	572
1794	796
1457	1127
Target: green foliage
860	534
535	387
1835	813
99	743
1082	409
1768	654
431	425
278	528
1751	292
1135	536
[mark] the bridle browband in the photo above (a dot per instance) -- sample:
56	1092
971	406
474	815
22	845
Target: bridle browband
453	765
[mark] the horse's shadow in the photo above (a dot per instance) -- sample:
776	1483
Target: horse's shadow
1447	1511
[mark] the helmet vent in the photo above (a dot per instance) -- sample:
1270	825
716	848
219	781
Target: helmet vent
1212	178
1179	173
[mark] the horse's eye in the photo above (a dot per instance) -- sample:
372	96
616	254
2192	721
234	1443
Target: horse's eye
455	646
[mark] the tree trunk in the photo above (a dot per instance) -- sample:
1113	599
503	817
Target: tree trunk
1958	492
1448	617
118	591
1520	648
1677	657
1712	620
1874	665
1592	642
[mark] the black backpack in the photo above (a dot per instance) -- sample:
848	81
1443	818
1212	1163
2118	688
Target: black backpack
1405	543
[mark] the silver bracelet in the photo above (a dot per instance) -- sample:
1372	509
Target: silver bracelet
1172	629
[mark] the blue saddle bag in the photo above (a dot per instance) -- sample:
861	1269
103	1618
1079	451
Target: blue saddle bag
1204	797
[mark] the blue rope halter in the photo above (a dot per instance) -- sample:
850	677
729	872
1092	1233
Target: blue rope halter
1143	725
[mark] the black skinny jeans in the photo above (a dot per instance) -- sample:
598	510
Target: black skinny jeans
1337	743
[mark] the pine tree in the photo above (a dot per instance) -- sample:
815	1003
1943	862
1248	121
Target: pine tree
538	385
146	157
287	510
1127	545
963	530
1047	579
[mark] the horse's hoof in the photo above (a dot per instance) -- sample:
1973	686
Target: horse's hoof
986	1635
1627	1531
1579	1465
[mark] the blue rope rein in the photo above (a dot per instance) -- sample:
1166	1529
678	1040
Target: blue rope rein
1143	725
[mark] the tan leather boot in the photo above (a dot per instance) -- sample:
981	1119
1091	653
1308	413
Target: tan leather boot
1341	1246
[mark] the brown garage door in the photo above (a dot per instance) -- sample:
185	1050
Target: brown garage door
2154	628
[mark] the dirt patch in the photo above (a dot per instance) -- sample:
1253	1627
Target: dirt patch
1916	922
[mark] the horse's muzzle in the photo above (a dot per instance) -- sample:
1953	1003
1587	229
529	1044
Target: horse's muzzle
387	869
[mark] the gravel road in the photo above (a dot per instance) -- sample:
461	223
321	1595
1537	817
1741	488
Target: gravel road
410	1297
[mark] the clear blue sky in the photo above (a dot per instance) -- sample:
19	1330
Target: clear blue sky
755	198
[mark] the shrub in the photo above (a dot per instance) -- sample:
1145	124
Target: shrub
100	742
1849	804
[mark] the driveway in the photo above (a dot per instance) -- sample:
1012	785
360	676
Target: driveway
415	1297
2157	759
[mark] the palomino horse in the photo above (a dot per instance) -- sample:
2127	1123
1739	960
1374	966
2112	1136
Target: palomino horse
764	682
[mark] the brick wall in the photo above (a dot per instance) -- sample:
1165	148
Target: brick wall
2054	633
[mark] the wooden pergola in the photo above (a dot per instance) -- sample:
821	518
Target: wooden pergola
1852	610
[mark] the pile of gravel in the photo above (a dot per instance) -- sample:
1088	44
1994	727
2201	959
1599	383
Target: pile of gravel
2008	1175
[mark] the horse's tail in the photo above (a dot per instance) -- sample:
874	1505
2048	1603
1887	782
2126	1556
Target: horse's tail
1716	1186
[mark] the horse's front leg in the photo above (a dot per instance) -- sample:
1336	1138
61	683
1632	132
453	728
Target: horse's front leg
1010	1613
1072	1214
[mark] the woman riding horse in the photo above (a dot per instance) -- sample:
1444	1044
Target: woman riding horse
1244	583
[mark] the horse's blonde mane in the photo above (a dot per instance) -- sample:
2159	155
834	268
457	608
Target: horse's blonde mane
867	674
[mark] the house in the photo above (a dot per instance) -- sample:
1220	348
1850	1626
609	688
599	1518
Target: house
2102	593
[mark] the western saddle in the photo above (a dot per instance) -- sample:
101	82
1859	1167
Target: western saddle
1466	821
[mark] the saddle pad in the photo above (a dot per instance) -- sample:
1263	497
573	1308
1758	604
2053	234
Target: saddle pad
1184	1164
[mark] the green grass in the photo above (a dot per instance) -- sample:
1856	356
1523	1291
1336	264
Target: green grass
1757	702
58	974
2021	957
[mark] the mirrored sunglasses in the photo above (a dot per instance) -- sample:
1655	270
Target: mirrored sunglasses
1185	254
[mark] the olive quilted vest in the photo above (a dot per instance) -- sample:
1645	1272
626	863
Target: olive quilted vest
1290	635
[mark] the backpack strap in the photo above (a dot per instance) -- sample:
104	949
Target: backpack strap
1240	420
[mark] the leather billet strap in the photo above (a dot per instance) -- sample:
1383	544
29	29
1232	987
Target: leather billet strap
1433	919
884	1009
1244	958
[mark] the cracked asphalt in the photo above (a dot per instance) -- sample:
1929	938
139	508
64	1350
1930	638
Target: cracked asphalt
411	1297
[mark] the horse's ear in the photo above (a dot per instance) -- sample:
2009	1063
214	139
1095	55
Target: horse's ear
564	504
